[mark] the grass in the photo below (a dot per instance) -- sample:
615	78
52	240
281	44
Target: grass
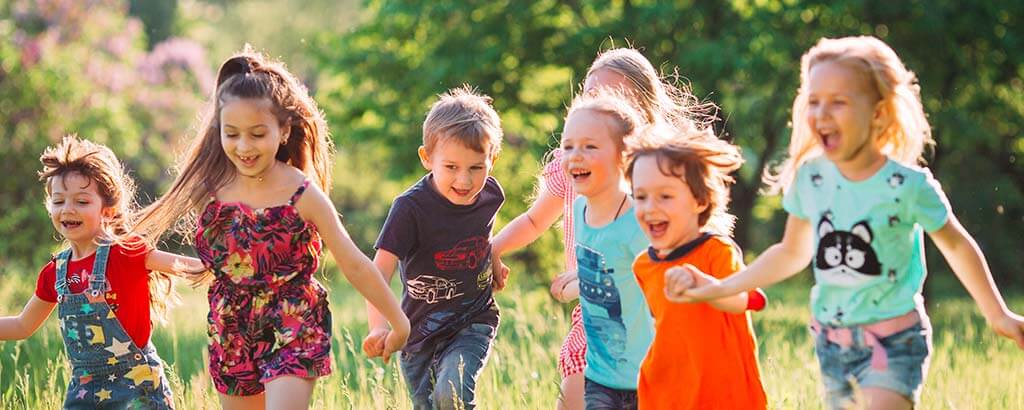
971	367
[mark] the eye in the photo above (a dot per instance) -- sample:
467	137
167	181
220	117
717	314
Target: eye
83	202
450	167
666	196
591	146
230	136
258	135
640	197
57	201
476	167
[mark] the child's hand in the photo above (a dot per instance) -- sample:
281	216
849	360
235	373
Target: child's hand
565	287
678	279
373	344
499	272
1010	325
395	340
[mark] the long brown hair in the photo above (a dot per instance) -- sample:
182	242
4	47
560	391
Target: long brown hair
205	168
116	188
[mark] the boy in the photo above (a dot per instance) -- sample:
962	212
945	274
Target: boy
438	231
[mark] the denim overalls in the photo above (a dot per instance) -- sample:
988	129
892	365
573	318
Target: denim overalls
107	370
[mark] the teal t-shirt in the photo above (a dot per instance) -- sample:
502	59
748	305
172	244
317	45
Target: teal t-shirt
869	247
618	323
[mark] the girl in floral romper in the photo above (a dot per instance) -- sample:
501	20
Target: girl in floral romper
257	178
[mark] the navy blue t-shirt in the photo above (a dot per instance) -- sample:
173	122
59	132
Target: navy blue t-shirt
445	258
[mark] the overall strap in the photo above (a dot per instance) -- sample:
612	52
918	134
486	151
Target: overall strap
61	261
98	282
298	193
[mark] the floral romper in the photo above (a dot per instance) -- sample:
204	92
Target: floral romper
268	315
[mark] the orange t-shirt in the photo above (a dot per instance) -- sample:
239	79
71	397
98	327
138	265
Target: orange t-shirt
701	357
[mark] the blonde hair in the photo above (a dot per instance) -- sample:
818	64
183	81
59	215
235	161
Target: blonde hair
615	106
466	116
906	135
703	164
205	168
116	188
656	97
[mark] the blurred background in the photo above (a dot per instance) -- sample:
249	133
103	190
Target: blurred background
135	74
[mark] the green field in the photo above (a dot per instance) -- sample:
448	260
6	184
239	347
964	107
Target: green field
971	368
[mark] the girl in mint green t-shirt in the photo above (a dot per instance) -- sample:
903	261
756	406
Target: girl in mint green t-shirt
858	206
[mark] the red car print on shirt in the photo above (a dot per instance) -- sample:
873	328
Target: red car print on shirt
467	254
431	289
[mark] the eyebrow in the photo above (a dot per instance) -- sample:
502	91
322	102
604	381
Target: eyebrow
251	128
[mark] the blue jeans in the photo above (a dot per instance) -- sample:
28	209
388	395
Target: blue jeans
443	375
908	352
599	397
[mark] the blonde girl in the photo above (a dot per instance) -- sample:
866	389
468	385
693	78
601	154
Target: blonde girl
858	205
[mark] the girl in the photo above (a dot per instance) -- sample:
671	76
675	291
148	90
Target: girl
703	355
857	205
658	102
261	227
618	325
102	284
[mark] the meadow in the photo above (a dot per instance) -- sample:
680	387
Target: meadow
970	369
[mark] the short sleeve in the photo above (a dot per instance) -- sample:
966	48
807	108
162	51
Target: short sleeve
725	259
398	235
134	259
791	197
45	285
930	207
554	178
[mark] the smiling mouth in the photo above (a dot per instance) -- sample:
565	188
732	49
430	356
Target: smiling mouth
578	174
461	192
657	228
248	159
70	224
829	140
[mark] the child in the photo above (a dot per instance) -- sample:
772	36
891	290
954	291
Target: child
261	231
703	355
102	284
659	102
857	205
438	230
617	322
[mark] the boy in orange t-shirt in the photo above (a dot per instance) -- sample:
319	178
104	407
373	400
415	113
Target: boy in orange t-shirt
704	355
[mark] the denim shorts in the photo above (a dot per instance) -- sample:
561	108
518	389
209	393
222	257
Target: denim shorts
908	352
600	397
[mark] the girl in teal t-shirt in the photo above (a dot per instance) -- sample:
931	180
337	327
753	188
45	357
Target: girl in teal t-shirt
858	206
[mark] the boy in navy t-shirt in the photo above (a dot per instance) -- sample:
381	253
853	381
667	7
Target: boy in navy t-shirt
438	231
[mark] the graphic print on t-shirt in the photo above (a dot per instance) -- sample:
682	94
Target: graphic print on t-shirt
597	287
846	258
432	289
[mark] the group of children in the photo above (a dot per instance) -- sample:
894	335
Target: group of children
641	183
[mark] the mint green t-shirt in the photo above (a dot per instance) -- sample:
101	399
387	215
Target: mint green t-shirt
869	246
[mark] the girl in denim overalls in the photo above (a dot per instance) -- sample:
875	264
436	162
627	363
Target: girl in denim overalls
858	206
101	284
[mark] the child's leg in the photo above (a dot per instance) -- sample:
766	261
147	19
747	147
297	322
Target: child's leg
289	392
417	369
572	392
885	399
254	402
459	365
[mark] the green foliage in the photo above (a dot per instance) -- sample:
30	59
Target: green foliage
377	82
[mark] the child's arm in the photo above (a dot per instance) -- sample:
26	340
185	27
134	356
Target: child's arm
28	321
686	276
566	287
969	265
373	344
778	262
161	261
522	231
526	228
356	267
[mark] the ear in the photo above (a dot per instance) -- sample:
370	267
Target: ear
424	158
825	227
882	117
862	231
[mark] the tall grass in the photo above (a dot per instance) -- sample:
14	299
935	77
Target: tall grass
971	368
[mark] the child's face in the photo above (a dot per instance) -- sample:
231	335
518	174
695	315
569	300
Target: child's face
250	134
665	206
606	78
841	111
76	207
592	157
459	171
